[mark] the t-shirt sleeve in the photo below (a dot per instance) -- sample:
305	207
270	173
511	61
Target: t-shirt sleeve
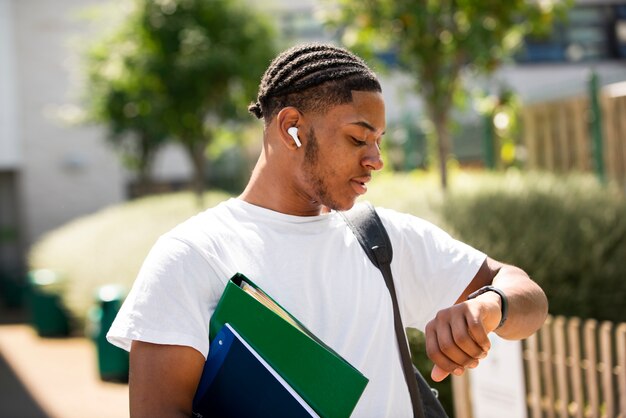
172	299
431	269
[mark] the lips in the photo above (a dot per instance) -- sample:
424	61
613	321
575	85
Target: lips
359	184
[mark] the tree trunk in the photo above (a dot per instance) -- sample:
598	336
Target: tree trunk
198	160
440	120
144	180
141	160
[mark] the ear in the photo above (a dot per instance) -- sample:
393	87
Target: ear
288	117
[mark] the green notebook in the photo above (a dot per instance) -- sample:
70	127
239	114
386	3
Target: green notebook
328	383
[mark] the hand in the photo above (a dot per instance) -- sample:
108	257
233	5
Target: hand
457	339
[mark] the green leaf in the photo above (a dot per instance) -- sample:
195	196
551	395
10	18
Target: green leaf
174	70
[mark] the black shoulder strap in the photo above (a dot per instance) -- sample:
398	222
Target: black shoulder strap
372	235
370	231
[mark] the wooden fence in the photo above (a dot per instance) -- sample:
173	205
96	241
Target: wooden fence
613	103
557	134
573	368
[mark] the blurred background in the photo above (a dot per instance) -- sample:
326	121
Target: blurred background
119	119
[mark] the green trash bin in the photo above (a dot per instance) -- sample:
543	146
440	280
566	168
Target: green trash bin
48	315
112	361
12	289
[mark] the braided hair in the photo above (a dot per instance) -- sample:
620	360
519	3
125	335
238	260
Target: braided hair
312	77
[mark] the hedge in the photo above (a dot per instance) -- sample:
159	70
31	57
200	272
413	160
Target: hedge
568	233
108	247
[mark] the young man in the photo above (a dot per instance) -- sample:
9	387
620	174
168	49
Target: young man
285	234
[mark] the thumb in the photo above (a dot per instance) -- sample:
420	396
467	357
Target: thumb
438	374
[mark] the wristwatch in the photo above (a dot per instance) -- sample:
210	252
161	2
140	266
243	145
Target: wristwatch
504	306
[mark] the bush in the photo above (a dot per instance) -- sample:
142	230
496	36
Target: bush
109	246
569	234
415	192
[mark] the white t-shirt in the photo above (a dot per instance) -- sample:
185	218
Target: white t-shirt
315	268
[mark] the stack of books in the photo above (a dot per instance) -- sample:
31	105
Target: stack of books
263	362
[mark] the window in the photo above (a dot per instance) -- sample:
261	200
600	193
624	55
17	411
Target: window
589	33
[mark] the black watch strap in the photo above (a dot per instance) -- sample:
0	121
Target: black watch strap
504	305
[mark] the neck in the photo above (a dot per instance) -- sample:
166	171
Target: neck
273	187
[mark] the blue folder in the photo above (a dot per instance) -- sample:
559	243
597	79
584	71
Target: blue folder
236	382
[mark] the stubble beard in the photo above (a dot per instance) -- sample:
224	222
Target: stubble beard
314	176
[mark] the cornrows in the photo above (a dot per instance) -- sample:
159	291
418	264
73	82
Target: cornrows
312	77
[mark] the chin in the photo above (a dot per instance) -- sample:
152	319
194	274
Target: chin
336	201
342	206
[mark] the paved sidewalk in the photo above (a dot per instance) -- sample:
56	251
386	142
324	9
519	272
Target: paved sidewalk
54	378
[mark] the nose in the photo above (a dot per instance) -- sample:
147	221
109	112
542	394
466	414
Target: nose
373	158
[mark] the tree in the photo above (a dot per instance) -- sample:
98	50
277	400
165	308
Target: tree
185	67
435	40
117	95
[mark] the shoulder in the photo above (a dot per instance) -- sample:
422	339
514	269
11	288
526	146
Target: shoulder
401	222
193	242
413	233
207	219
202	228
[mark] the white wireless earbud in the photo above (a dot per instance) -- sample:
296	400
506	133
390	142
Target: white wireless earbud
293	131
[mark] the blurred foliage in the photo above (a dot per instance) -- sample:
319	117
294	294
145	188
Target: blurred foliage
414	192
437	40
232	156
176	70
108	247
117	95
501	111
568	234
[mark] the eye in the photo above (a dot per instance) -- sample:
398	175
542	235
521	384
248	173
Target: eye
358	142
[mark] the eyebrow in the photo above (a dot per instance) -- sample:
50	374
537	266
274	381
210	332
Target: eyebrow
366	126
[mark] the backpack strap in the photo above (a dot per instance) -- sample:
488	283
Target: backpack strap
372	235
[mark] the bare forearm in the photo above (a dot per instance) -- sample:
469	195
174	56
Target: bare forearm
528	305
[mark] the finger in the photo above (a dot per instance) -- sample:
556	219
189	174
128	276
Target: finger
478	331
465	340
479	335
438	374
442	350
458	344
